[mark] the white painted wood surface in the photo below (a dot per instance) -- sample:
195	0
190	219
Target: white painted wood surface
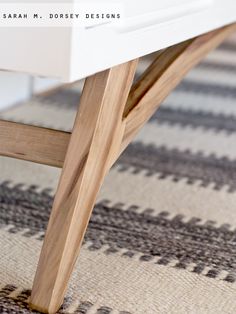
73	53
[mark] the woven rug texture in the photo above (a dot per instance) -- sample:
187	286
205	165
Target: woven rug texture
162	236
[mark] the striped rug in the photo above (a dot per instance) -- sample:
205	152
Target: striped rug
162	237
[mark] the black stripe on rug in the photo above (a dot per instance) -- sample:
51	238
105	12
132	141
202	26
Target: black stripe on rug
190	86
18	304
64	98
195	119
228	46
169	239
217	66
179	164
157	238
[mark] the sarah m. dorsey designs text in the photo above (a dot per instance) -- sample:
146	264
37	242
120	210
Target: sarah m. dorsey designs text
70	16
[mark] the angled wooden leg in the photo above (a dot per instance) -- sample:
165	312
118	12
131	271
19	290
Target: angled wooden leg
95	140
106	122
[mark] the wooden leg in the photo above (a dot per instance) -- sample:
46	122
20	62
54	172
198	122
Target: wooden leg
108	118
94	143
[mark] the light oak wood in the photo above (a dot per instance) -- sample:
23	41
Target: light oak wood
95	141
40	145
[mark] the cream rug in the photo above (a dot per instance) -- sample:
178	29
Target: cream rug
162	238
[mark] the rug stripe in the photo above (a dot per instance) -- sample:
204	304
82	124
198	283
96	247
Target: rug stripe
204	88
217	66
194	119
213	77
228	46
179	99
195	140
181	198
153	236
180	164
222	57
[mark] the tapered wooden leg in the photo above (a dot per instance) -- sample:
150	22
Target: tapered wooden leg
106	122
95	140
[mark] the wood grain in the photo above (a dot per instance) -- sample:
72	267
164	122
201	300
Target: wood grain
95	141
40	145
